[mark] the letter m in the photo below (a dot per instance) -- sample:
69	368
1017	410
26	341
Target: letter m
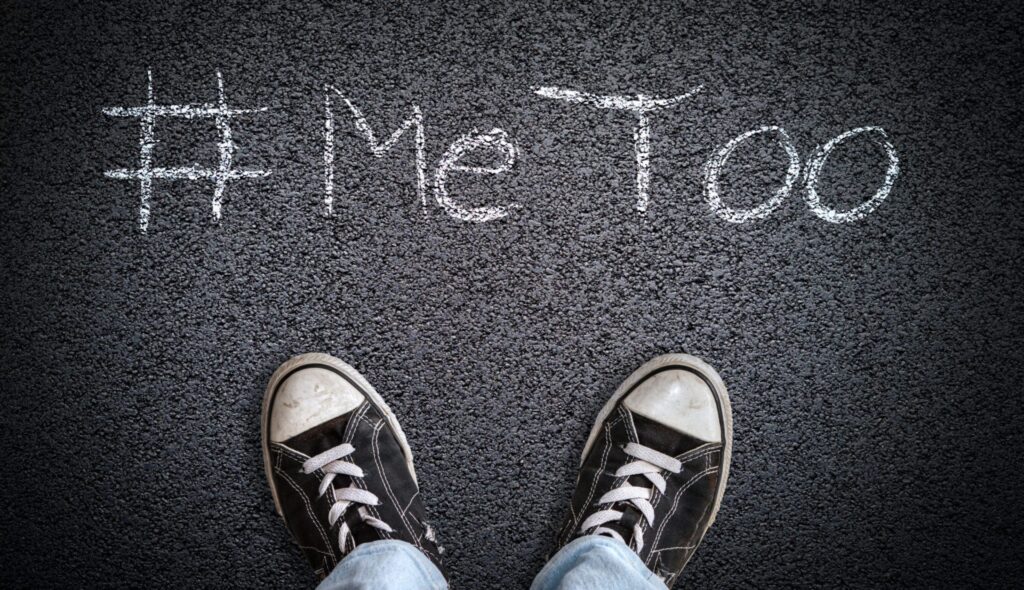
377	148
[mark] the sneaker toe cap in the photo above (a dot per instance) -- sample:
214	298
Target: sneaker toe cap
309	397
678	399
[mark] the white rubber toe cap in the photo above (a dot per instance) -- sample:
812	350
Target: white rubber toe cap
680	400
309	397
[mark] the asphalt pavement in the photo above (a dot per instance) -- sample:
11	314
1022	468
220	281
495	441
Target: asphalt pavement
874	366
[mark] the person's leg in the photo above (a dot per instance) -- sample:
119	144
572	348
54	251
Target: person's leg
385	565
594	561
651	480
342	478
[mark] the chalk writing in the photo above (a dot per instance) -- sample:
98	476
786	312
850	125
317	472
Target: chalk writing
714	168
642	106
376	148
497	141
146	172
493	139
818	162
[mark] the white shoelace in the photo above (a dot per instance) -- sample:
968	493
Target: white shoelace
649	463
331	463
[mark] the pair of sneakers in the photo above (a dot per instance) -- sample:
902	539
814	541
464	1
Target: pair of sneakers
652	475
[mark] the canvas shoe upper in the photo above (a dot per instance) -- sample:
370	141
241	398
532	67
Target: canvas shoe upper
655	465
338	464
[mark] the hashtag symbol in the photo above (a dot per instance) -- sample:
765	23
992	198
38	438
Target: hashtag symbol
146	172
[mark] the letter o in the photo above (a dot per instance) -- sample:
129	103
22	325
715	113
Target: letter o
817	162
717	162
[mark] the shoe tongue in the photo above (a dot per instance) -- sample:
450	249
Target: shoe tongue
324	437
625	525
321	437
662	438
361	531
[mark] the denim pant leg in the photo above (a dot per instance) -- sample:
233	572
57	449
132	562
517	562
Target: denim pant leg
385	565
592	562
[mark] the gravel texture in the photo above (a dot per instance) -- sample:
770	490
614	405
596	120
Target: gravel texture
875	367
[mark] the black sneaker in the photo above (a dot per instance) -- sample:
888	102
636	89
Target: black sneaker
654	468
338	464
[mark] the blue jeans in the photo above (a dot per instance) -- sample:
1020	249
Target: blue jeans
588	562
